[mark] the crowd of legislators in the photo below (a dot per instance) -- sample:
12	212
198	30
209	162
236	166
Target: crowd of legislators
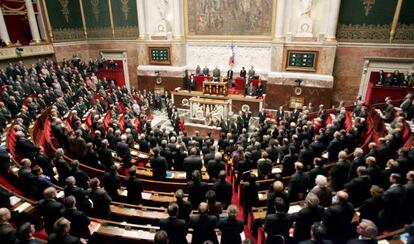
380	182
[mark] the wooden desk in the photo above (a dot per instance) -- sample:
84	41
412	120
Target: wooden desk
215	88
172	175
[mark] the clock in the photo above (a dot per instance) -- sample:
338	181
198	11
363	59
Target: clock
298	91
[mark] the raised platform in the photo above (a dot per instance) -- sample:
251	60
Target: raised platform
181	100
191	128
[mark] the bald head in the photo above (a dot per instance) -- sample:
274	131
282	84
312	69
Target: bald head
4	215
203	208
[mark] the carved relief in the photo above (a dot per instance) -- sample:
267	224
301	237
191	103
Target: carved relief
68	34
125	8
95	9
218	55
65	10
368	4
364	32
405	33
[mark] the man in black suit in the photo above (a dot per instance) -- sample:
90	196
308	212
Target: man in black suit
339	172
78	219
392	214
159	165
176	228
278	190
123	151
409	188
203	226
312	212
134	187
318	232
306	155
288	162
230	78
112	182
105	154
27	178
215	166
100	198
82	203
49	208
61	234
7	231
223	189
298	184
183	205
264	166
243	73
318	169
338	218
61	165
277	225
367	231
196	189
358	161
192	163
25	147
230	227
334	147
358	188
81	177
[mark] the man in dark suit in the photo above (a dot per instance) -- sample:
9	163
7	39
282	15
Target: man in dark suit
105	154
203	226
206	71
176	228
318	232
71	189
112	182
159	165
192	163
338	218
288	162
334	148
25	147
358	161
409	188
243	73
358	188
183	205
392	214
78	219
215	166
7	231
123	151
264	166
367	231
100	198
339	172
230	227
196	189
223	189
61	234
230	78
306	155
318	169
134	187
49	208
278	190
298	184
312	212
277	225
61	165
27	178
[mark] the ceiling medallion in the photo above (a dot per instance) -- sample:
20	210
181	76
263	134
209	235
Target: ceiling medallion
368	4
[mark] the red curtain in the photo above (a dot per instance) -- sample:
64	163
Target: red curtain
114	74
15	16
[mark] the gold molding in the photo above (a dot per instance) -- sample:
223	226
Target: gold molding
230	37
111	19
363	33
83	19
46	16
395	20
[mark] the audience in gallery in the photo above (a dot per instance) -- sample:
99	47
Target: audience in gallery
394	78
386	171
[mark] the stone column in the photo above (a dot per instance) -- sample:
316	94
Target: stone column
333	19
141	18
280	19
34	29
4	34
178	16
